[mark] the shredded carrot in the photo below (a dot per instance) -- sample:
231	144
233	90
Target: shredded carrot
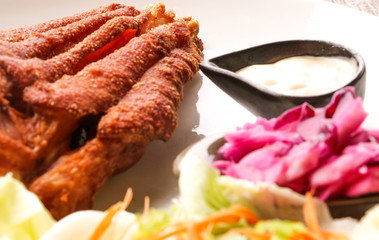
146	207
314	231
229	215
249	232
310	214
233	214
107	220
127	199
195	230
170	231
302	236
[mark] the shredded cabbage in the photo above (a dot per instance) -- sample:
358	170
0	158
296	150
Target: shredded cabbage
156	220
282	229
308	148
203	191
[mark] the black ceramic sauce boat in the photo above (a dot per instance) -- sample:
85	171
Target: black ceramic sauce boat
266	103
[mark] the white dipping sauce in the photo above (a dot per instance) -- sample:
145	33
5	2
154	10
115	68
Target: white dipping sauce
302	75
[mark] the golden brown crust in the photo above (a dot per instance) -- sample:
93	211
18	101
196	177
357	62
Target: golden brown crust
50	136
52	42
101	84
71	184
25	72
156	99
22	33
25	141
115	33
147	112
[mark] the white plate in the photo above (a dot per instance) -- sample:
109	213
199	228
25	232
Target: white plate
224	26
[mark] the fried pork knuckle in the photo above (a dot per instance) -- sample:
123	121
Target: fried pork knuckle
82	96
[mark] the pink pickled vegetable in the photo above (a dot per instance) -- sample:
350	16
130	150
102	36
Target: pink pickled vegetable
300	160
306	148
263	163
291	118
253	138
368	183
351	159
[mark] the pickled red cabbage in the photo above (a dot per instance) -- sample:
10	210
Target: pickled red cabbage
306	148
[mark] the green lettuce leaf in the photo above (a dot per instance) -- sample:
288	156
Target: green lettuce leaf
22	215
156	220
200	190
203	191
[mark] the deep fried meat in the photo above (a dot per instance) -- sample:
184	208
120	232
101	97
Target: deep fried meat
18	34
76	177
52	42
153	115
25	141
73	117
101	84
131	127
24	72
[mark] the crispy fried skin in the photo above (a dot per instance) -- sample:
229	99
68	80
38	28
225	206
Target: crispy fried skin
153	115
44	136
101	84
22	62
25	141
14	153
19	34
24	72
74	180
120	93
123	131
52	42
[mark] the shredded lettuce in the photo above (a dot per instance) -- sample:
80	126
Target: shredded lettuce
281	229
220	229
200	191
204	190
155	221
22	215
